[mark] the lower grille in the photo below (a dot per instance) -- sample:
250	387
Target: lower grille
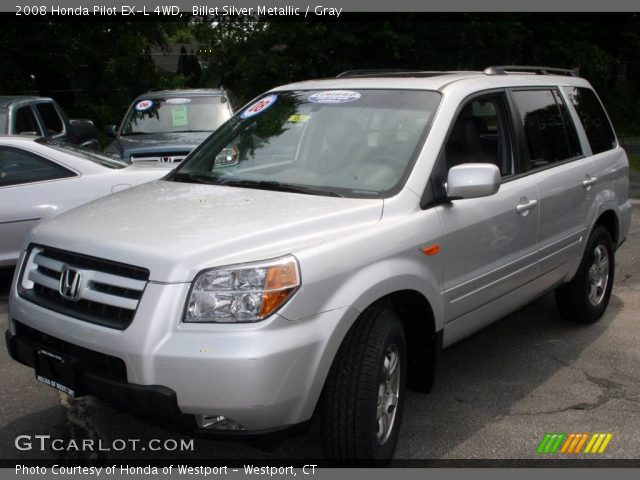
107	366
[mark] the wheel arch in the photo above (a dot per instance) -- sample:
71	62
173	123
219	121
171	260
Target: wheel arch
609	220
423	339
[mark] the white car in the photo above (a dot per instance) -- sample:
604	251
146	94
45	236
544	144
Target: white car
41	178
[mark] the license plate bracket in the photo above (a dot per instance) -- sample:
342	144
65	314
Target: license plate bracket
57	370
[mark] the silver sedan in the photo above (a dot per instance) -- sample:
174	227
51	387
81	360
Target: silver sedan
41	178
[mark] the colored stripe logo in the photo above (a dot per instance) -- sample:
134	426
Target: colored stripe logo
574	443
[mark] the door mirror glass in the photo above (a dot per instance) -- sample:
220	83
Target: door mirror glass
110	131
472	180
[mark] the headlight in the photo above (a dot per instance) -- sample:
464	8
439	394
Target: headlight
242	293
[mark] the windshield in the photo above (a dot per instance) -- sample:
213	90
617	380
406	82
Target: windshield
176	114
3	120
85	153
352	143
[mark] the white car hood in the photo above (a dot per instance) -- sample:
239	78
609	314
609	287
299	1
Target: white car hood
177	229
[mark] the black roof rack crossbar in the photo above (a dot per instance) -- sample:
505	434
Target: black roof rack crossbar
505	69
391	73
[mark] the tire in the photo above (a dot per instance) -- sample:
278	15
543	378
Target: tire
585	298
361	396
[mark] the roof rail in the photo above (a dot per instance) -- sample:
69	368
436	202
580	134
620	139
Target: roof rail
391	73
505	69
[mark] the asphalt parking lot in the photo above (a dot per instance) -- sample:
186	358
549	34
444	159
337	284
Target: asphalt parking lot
497	394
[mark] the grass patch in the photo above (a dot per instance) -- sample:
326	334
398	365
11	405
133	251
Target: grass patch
634	162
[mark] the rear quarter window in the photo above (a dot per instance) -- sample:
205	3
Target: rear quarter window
593	117
51	118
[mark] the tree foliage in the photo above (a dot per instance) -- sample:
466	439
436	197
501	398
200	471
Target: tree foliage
103	65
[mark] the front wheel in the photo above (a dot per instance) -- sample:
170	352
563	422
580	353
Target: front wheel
362	401
585	298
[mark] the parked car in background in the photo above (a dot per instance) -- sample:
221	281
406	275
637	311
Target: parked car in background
165	126
43	117
40	178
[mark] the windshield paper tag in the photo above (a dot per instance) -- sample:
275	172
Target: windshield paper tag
177	101
179	115
259	107
334	96
297	118
144	105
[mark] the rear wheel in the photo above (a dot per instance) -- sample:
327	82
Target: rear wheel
585	298
362	402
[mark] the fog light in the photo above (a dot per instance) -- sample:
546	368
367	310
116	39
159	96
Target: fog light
217	422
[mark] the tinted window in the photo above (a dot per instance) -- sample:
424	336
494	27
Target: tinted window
480	135
18	166
51	118
26	122
3	120
594	119
550	135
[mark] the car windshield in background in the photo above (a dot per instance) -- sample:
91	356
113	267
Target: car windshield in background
4	115
351	143
85	153
176	114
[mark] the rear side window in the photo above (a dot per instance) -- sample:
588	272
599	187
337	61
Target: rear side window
550	134
25	122
51	118
4	114
593	117
18	166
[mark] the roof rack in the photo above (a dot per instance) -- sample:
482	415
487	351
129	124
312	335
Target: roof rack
505	69
391	73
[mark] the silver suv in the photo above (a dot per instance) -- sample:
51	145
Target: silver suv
321	248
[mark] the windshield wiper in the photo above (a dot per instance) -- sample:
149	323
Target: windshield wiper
188	178
279	187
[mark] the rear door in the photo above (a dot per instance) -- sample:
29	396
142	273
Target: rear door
30	189
489	243
554	159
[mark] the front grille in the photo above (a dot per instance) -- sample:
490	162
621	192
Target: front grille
108	292
164	157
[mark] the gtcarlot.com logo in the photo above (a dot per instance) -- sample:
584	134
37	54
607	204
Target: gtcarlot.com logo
574	443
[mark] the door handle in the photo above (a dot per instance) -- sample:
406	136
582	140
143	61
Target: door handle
524	208
589	182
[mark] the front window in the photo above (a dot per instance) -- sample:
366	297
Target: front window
352	143
176	114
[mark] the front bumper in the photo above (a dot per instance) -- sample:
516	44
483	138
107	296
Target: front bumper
263	376
98	375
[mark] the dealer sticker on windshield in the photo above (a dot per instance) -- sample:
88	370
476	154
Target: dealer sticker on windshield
334	96
177	101
143	105
259	107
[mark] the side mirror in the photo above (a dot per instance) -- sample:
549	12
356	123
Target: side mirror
473	180
110	131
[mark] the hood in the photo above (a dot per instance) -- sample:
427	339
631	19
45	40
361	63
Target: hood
177	229
157	143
